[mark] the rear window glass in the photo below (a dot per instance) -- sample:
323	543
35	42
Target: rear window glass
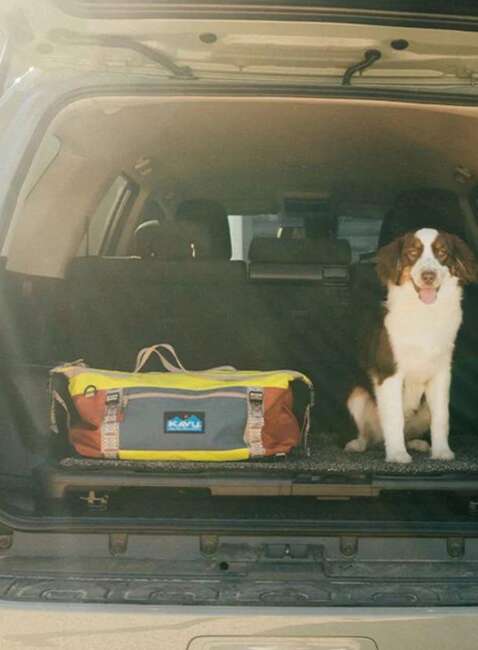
244	228
360	226
362	233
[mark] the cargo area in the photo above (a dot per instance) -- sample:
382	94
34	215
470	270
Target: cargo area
286	200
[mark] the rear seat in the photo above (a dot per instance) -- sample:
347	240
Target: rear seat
300	260
176	293
289	312
300	298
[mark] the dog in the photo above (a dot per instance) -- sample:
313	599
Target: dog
406	350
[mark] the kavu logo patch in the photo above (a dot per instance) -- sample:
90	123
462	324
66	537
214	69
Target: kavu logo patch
180	422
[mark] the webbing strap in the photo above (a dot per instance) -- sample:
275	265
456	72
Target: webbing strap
255	421
56	398
306	430
145	354
109	430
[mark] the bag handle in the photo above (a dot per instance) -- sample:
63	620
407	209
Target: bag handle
145	354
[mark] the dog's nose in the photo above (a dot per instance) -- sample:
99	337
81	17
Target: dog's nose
429	277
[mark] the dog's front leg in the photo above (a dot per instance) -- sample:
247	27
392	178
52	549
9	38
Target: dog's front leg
438	396
390	410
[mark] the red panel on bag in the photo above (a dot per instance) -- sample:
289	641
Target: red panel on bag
281	431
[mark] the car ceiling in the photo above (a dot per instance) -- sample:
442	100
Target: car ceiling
252	151
246	153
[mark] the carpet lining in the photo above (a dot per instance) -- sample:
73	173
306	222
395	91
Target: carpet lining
327	458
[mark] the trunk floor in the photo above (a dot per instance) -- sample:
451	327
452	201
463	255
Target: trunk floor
327	458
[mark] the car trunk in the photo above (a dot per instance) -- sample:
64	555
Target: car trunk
247	153
115	112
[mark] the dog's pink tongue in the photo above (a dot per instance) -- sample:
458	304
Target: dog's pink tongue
428	295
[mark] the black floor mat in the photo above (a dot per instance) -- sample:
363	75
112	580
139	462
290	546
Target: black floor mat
327	457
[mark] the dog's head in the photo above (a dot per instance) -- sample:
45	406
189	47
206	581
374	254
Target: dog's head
426	258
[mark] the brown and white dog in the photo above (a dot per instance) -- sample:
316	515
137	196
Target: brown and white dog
407	353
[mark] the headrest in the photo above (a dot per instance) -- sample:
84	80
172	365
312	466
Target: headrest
423	208
321	227
171	241
300	251
212	216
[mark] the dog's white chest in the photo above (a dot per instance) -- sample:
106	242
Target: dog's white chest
422	336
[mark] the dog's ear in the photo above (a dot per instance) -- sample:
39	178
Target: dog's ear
389	266
464	265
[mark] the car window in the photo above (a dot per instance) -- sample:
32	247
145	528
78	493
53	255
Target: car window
361	230
360	225
244	228
102	224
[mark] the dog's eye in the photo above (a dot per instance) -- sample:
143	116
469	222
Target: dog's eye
442	254
412	253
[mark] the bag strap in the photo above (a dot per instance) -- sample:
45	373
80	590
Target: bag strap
57	400
146	353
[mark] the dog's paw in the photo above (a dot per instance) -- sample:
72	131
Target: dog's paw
418	445
401	457
444	453
356	446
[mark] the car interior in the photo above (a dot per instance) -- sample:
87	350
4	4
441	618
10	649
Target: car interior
243	232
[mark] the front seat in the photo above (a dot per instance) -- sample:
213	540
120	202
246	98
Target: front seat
213	217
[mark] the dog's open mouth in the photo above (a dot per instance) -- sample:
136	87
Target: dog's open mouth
427	295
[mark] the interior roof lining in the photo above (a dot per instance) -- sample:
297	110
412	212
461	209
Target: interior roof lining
274	145
110	102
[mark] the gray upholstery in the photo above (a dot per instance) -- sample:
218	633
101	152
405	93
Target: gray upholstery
119	305
174	292
214	314
299	260
298	272
300	251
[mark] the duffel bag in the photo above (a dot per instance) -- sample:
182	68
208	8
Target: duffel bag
219	414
